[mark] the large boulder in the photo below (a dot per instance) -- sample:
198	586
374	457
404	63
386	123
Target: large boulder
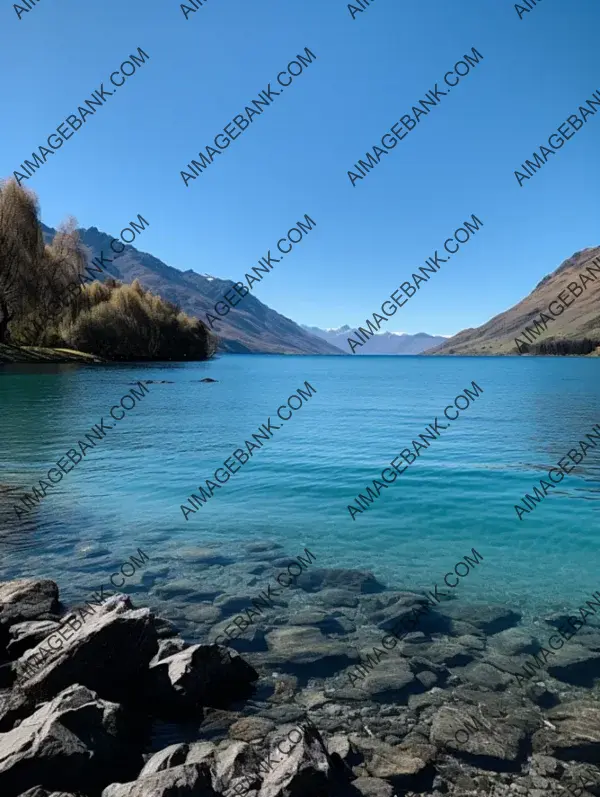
24	636
108	653
181	685
76	742
26	599
196	769
14	706
190	779
307	770
176	755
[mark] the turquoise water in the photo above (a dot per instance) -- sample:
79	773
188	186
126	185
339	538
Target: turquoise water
457	496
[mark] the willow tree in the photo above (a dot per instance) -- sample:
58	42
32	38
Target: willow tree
33	277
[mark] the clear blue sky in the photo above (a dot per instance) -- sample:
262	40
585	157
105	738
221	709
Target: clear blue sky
294	159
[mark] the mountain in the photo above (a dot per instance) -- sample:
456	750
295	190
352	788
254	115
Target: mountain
251	326
384	343
581	319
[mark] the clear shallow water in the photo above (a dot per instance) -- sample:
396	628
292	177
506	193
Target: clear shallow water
459	495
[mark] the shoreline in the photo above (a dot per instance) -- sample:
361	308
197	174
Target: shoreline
437	713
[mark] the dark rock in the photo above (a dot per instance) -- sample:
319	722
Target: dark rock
261	547
14	706
373	787
27	635
293	647
352	580
201	675
76	742
282	714
326	623
26	599
448	652
489	619
172	756
251	729
481	740
216	724
483	675
403	767
334	598
232	766
209	557
575	664
391	681
340	745
236	767
7	675
514	641
207	379
307	770
165	629
232	604
108	654
575	735
427	679
168	647
191	779
542	695
252	641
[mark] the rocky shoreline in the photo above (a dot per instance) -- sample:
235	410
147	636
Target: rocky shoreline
127	707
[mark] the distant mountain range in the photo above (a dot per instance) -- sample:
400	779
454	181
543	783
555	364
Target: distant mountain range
251	326
384	343
581	319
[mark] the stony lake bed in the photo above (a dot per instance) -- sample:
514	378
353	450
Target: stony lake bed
271	676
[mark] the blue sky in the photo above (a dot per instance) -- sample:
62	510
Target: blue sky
294	158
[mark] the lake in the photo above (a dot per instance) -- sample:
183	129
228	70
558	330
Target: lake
458	495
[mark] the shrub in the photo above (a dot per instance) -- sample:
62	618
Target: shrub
125	322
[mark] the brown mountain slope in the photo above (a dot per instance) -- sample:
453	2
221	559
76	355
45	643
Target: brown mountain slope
249	327
580	319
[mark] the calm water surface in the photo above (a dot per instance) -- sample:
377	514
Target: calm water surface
459	495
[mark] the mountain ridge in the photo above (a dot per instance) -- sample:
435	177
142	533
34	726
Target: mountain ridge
579	319
250	327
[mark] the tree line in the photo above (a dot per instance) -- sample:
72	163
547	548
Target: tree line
561	346
45	300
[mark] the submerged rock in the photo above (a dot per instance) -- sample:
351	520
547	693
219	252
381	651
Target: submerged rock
441	713
352	580
292	648
572	732
485	741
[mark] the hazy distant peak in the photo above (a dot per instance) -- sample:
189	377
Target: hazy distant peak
383	343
